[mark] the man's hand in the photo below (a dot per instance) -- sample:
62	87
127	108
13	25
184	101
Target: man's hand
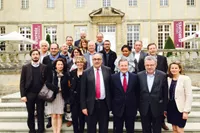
24	99
165	114
85	112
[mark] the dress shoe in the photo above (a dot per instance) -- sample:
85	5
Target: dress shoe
48	125
164	126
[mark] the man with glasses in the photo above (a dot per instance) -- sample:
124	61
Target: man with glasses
95	95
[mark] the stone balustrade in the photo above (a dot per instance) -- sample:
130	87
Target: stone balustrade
189	58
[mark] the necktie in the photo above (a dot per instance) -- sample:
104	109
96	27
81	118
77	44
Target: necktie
98	94
124	83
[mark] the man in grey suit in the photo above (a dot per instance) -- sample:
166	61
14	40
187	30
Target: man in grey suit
138	54
95	95
153	96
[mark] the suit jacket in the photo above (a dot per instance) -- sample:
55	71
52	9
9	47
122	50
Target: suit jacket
26	77
161	64
88	94
111	59
158	97
183	93
52	83
77	42
142	56
124	101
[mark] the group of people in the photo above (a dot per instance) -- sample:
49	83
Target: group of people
89	80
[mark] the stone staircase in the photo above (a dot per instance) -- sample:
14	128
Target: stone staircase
13	116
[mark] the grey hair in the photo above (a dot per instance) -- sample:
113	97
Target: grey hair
44	41
149	58
121	60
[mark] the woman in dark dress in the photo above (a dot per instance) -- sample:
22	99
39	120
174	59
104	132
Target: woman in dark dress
78	118
57	81
180	97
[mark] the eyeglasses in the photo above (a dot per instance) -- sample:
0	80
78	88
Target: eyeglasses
96	59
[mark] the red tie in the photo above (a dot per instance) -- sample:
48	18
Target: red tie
124	83
98	94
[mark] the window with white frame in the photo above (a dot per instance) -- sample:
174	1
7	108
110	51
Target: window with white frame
132	2
133	34
2	44
25	4
52	31
189	30
106	3
26	32
1	4
163	35
78	30
190	2
163	2
80	3
50	3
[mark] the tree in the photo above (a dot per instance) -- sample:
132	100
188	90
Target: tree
48	39
169	45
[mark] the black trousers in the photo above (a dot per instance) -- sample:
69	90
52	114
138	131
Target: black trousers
151	124
100	115
129	123
78	118
32	100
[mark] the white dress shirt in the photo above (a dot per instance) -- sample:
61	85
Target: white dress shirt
150	80
102	86
137	56
122	78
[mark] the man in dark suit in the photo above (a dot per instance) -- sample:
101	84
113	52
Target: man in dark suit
69	42
153	96
138	54
95	95
33	77
99	43
109	56
125	94
82	36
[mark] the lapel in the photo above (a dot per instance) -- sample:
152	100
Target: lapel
29	70
155	80
119	83
91	74
104	75
145	80
129	82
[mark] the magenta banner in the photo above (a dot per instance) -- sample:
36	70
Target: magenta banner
178	33
37	35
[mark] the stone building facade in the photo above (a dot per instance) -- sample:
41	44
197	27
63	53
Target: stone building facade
121	21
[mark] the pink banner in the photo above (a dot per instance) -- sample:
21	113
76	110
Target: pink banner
178	33
37	35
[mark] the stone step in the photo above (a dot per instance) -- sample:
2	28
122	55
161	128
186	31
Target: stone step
15	97
21	127
195	106
19	116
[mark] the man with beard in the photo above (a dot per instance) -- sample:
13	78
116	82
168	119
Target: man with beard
83	36
33	77
69	42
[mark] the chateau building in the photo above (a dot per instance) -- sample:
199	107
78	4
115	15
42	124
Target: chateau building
121	21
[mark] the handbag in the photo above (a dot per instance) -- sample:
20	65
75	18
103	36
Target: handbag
46	94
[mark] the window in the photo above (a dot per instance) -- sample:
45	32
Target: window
80	3
50	3
163	2
190	2
25	4
163	34
52	31
133	34
189	30
132	2
2	44
78	30
106	3
26	32
1	4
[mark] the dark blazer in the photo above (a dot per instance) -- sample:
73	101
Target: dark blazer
75	87
52	76
142	56
124	101
157	98
88	94
77	42
161	64
26	77
111	59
